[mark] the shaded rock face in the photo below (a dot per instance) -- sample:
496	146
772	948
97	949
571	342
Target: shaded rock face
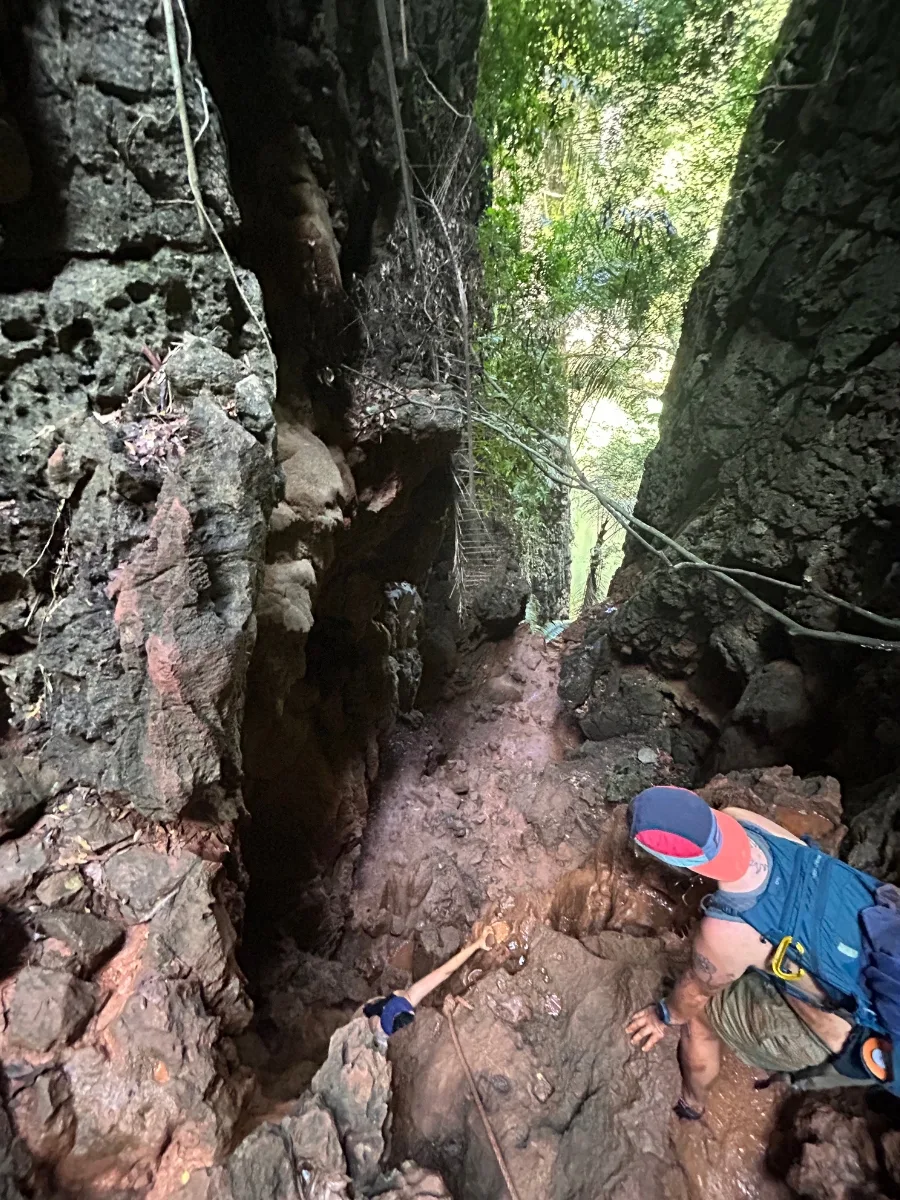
332	668
365	456
644	729
778	438
315	166
875	830
178	540
135	503
835	1153
463	611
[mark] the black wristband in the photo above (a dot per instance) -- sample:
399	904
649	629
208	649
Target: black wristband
662	1011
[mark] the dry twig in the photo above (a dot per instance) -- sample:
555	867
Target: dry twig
440	95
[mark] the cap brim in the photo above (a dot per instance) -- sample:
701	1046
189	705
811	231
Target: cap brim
733	859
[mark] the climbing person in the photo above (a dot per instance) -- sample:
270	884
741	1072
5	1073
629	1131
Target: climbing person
398	1010
796	961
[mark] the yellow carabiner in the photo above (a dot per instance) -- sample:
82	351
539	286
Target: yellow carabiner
778	959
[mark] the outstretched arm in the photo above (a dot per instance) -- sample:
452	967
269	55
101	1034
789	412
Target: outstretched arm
423	987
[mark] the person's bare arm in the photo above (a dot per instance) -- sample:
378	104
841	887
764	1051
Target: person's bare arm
704	977
717	959
423	987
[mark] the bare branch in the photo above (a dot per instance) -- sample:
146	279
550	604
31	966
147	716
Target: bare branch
806	589
440	95
177	79
189	52
403	32
205	102
388	50
467	355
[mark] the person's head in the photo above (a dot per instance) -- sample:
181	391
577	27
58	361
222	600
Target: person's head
677	827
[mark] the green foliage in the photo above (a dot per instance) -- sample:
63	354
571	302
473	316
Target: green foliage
613	126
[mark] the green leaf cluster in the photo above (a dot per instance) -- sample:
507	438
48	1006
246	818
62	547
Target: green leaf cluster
612	128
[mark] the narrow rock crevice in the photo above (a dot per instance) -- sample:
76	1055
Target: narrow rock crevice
172	532
256	767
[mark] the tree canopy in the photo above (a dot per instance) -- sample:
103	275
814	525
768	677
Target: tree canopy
612	128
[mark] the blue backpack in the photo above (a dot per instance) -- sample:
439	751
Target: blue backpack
823	916
882	971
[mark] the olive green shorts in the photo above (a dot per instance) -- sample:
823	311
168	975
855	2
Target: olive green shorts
752	1018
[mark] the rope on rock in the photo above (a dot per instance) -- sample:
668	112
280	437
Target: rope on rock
449	1005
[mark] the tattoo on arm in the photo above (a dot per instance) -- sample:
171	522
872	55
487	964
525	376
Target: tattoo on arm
707	975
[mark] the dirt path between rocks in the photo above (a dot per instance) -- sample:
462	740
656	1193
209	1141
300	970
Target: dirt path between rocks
475	807
485	809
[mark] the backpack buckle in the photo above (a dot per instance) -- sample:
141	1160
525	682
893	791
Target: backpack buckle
876	1055
778	960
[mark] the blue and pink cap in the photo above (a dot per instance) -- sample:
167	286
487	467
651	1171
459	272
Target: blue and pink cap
679	828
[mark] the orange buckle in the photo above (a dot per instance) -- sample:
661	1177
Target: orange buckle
876	1055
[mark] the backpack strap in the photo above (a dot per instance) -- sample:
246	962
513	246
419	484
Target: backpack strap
713	905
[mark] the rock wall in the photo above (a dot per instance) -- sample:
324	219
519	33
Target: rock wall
778	447
778	456
208	577
365	452
135	504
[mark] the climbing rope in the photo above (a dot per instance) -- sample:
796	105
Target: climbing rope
449	1005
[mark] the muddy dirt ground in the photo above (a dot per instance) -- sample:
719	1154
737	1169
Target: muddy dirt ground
487	808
